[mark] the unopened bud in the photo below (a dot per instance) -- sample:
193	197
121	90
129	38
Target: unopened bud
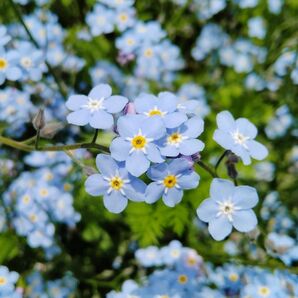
232	172
130	108
196	157
51	129
39	120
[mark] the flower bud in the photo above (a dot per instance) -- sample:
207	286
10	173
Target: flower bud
39	120
50	130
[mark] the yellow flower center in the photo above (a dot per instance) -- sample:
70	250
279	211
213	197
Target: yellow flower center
264	291
175	138
154	113
138	142
33	217
26	199
3	63
43	192
148	53
233	277
191	261
130	41
182	279
2	281
116	183
123	18
170	181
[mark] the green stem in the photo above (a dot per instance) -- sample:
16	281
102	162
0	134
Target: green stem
207	168
221	158
37	139
24	147
51	70
95	137
29	141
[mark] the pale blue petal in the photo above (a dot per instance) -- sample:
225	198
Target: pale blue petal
106	165
244	220
153	153
208	210
172	197
194	127
169	150
76	101
115	104
129	125
178	166
154	192
223	139
189	147
174	119
80	117
13	73
221	189
115	202
120	149
225	121
145	102
101	120
153	127
135	190
137	164
257	150
158	172
245	197
246	128
189	181
167	101
100	91
95	185
219	228
242	153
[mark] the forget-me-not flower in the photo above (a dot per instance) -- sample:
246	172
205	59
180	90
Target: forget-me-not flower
96	108
137	142
182	140
8	65
7	281
238	136
228	206
115	184
170	179
164	106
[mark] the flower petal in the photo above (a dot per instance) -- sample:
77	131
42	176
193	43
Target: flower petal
101	120
153	192
120	149
137	163
76	101
221	189
245	197
174	119
95	185
179	165
246	128
100	91
225	121
106	164
115	103
207	210
257	150
135	190
115	202
189	181
189	147
194	127
153	153
79	117
244	220
172	197
223	138
219	228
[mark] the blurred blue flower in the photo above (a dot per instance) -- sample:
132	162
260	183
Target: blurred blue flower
137	142
4	38
8	65
228	206
115	184
182	140
170	179
238	136
7	282
96	108
256	27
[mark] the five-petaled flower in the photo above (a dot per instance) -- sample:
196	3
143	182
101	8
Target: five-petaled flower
96	108
137	142
228	206
238	136
115	184
170	179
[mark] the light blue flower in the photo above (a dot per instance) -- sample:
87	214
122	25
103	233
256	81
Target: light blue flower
101	20
275	6
149	256
7	281
164	106
8	65
115	184
125	18
4	38
238	136
137	142
118	4
256	27
182	140
170	179
228	206
96	108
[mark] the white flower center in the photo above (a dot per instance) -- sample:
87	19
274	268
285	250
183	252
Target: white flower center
94	105
226	208
26	62
239	138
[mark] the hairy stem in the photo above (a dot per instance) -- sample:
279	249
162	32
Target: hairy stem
207	168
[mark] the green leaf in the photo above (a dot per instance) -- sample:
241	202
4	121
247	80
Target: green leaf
9	247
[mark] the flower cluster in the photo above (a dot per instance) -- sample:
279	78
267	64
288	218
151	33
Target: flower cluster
181	272
8	280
